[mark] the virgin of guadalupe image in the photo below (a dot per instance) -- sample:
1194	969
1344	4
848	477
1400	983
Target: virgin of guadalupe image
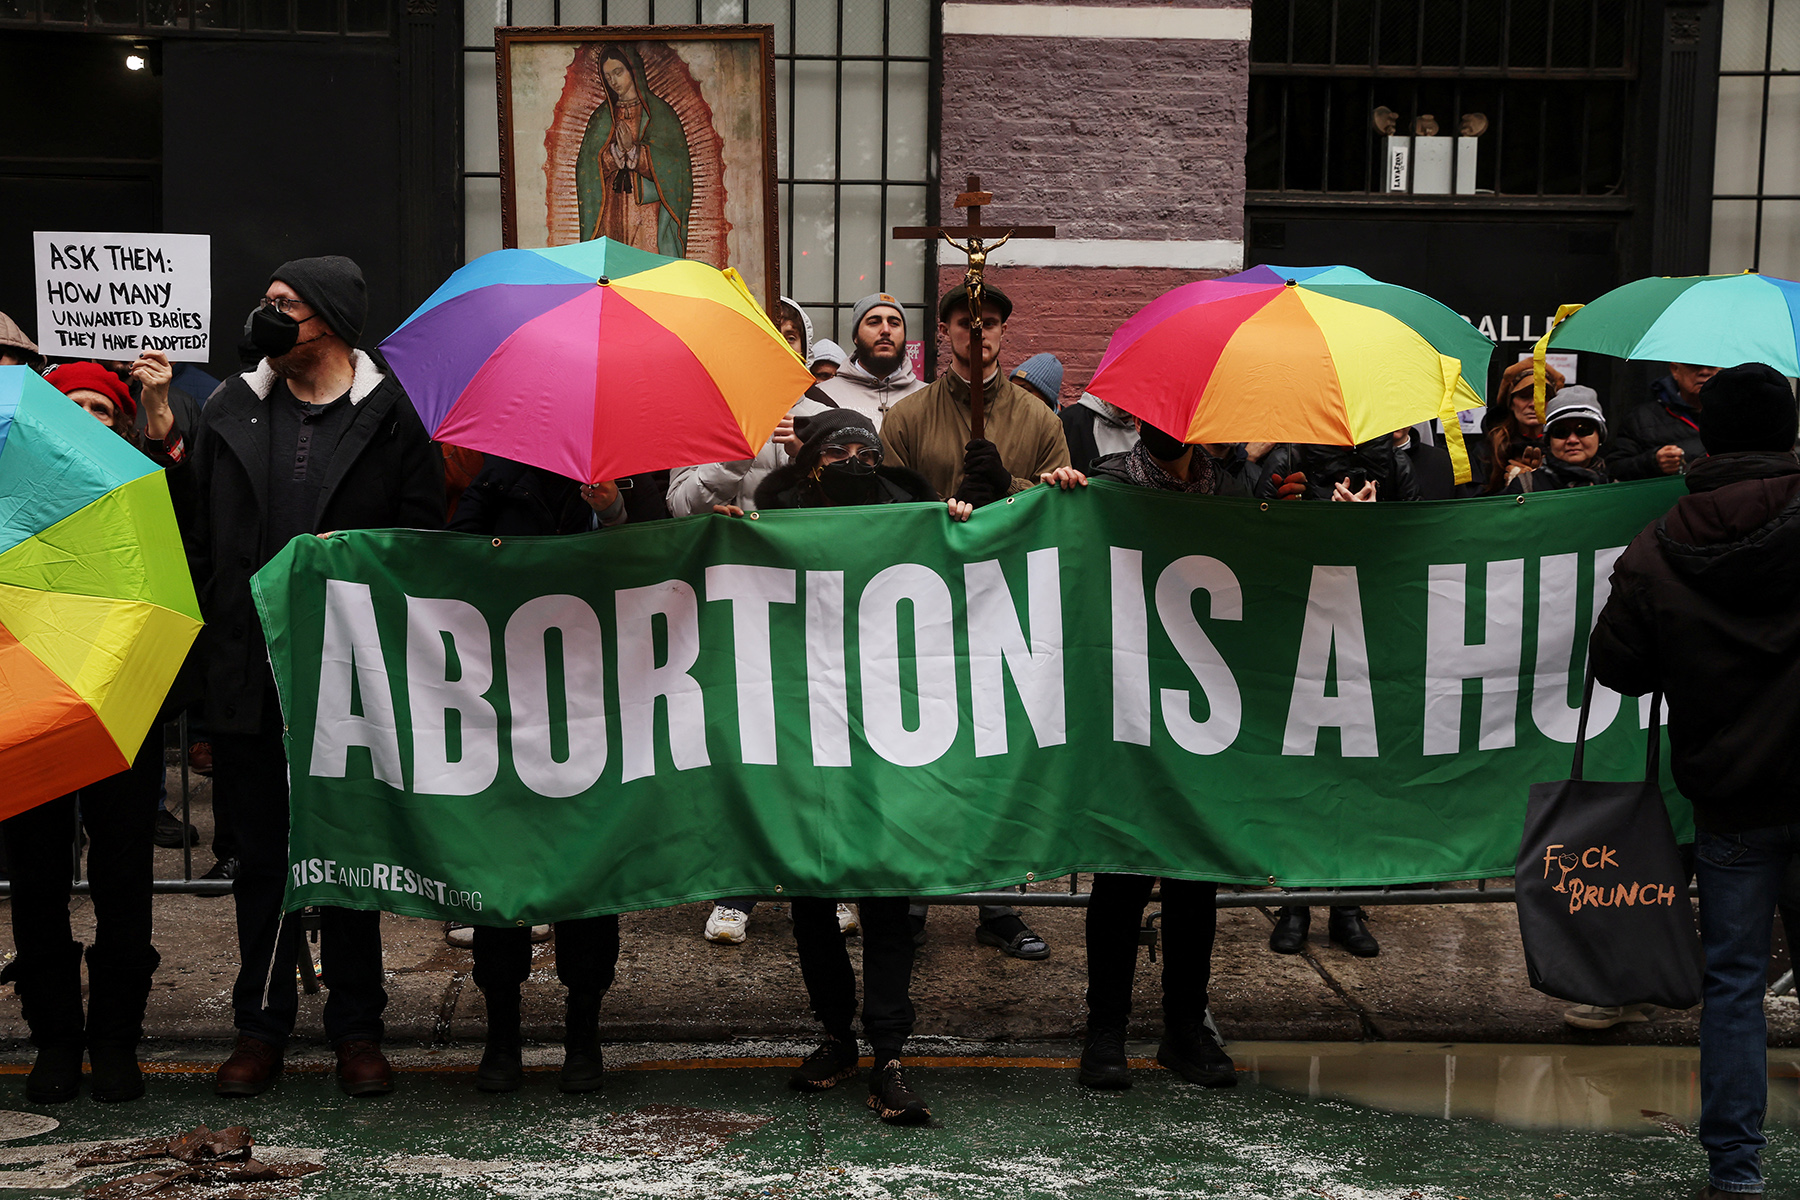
634	178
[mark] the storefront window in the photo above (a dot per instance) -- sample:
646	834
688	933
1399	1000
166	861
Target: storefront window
1440	97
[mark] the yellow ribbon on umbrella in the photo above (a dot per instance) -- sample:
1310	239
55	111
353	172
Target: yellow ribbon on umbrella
1447	415
1539	385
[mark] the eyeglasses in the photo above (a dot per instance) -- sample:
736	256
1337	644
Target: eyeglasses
868	456
1581	428
284	305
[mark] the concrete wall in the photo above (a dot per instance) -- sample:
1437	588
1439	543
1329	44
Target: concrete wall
1123	125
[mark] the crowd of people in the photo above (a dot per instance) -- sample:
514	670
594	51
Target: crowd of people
317	435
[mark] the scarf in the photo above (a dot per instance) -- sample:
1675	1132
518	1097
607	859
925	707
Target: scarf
1145	471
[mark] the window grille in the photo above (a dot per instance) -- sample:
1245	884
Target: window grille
856	135
1526	97
1756	174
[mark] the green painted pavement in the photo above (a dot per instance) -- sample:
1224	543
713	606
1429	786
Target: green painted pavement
1008	1131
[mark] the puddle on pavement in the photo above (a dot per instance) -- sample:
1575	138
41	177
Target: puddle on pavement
1526	1087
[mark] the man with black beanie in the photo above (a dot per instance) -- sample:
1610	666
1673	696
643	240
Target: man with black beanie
315	438
1705	608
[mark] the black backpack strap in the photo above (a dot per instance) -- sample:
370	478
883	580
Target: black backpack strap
1653	755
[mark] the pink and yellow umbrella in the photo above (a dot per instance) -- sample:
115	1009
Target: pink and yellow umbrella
1320	355
597	361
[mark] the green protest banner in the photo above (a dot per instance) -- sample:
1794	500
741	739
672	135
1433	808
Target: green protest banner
881	701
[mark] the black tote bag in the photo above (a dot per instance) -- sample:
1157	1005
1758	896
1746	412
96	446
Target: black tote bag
1602	895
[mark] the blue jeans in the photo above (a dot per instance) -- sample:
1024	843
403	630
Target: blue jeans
1740	877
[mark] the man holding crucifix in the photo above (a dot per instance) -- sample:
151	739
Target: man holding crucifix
977	438
973	436
930	431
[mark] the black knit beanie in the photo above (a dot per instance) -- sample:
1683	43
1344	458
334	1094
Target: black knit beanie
833	427
333	287
1747	407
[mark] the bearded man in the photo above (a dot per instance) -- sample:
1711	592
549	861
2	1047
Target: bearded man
878	376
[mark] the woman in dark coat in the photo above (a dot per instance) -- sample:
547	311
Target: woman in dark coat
1511	444
1191	1046
119	816
839	465
513	500
1573	433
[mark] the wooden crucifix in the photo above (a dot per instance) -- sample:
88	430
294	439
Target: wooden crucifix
976	245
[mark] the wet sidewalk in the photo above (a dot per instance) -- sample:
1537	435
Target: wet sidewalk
1368	1121
1451	973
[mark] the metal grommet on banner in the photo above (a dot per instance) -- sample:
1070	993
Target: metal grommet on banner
1271	879
520	924
1009	499
1031	877
754	516
778	889
1521	499
1265	506
496	541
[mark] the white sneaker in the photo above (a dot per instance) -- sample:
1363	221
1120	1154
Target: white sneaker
726	926
459	935
847	923
540	933
1595	1016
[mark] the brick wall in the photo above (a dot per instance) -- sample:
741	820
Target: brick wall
1102	137
1106	138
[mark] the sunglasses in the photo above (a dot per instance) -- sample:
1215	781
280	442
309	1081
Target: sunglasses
1579	428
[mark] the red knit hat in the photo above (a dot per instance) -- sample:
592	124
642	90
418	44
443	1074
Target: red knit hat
75	376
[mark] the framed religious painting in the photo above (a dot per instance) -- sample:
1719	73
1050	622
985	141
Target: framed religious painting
659	136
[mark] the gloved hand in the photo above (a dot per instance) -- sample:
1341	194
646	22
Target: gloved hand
985	477
1291	486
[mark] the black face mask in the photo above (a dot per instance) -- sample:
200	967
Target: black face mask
1163	447
850	482
273	333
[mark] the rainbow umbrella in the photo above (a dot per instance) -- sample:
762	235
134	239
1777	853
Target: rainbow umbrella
1709	320
97	610
1322	355
597	361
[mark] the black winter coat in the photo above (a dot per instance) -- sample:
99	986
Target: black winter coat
1662	420
384	473
789	487
1705	605
1375	459
1556	474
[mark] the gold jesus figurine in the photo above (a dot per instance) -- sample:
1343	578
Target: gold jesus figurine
977	252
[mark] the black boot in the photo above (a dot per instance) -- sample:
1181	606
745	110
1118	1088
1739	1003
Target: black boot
49	990
1103	1062
1347	930
1289	934
1192	1051
118	990
502	1066
584	1067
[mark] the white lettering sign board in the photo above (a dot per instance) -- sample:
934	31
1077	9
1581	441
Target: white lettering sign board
116	295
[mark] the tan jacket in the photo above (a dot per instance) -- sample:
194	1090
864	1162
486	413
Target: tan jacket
929	431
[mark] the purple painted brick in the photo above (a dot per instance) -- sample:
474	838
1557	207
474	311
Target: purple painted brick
1103	137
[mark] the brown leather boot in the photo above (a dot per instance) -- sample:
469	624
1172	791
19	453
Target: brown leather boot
362	1070
249	1071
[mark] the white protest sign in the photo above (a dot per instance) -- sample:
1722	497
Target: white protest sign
115	295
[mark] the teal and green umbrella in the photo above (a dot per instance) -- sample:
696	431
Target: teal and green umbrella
1707	320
